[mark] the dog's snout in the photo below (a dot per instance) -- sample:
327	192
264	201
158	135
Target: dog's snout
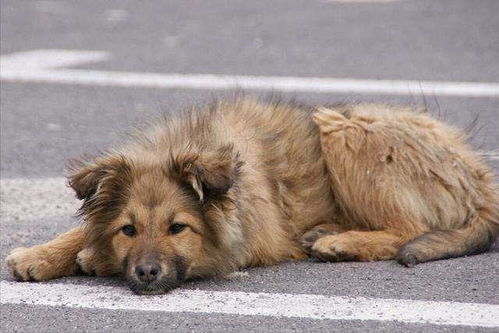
147	272
152	276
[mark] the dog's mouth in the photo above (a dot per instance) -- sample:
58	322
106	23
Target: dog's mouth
153	288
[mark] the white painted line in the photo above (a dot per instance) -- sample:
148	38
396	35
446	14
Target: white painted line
47	60
45	66
491	155
253	304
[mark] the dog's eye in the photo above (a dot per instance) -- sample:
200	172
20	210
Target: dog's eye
129	230
176	228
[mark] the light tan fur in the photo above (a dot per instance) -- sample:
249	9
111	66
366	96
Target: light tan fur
254	183
399	174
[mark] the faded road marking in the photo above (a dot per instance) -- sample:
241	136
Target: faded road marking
46	66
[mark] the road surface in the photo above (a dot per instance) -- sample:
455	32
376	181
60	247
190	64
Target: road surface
76	75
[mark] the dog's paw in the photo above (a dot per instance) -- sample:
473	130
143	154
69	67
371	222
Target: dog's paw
85	261
309	238
333	248
30	264
89	262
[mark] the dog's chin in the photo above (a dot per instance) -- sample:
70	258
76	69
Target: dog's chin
153	288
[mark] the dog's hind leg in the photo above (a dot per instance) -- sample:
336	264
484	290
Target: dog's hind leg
411	180
54	259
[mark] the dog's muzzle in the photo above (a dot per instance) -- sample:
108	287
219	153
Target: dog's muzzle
152	278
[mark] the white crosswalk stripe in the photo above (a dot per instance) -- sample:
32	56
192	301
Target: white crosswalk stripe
251	304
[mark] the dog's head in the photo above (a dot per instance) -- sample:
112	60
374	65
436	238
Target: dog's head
159	220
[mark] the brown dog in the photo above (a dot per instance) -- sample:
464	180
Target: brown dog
244	183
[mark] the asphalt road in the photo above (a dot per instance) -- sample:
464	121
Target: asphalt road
43	125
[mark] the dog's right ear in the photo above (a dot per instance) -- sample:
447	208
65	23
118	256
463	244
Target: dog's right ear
89	178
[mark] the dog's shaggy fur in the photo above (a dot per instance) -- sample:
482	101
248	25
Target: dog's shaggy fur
244	183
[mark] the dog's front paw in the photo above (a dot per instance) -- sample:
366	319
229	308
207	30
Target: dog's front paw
90	262
85	261
30	264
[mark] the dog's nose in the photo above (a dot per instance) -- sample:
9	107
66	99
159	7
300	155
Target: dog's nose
147	272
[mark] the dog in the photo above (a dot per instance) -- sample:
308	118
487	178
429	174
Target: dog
243	183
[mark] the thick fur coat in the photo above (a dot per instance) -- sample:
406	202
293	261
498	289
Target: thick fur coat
243	183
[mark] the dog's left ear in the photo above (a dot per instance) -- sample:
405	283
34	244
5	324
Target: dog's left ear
210	173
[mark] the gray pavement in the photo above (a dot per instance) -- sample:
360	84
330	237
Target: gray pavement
42	125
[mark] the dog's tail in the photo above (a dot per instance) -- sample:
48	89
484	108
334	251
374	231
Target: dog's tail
476	237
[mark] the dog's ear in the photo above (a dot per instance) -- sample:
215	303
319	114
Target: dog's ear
209	173
106	173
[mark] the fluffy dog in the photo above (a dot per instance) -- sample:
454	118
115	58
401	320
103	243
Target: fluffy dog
243	183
